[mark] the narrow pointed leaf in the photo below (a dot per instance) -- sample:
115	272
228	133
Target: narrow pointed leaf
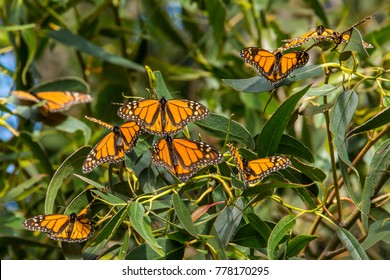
382	118
184	215
228	221
142	224
340	117
66	169
270	135
217	126
79	43
352	244
378	172
282	228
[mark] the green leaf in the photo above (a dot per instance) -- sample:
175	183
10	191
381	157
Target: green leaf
319	10
249	237
125	245
217	126
38	152
356	43
260	84
29	36
63	84
172	251
380	119
351	244
347	182
159	21
66	169
270	186
142	224
109	229
216	244
184	215
216	16
377	231
228	221
71	125
340	117
161	88
282	228
323	90
71	251
69	39
22	27
19	190
378	173
309	109
271	134
291	146
78	203
312	172
298	243
259	225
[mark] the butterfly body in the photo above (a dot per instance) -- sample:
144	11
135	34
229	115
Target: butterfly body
66	228
256	170
112	147
274	67
54	101
163	116
184	157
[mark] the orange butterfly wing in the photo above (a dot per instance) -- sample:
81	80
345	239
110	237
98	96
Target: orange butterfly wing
179	112
274	67
300	40
184	157
255	170
67	228
261	59
57	101
24	95
289	62
112	147
163	116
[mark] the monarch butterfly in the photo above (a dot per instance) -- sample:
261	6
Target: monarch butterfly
274	66
255	170
55	101
319	33
113	146
183	157
323	33
163	116
67	228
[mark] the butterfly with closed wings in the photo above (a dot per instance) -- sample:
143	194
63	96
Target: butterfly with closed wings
256	170
112	147
184	157
274	66
53	101
163	116
67	228
321	33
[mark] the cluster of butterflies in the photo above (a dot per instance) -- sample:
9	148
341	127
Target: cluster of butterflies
181	157
275	66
